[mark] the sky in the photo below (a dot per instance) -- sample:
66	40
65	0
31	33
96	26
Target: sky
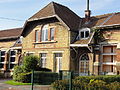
14	13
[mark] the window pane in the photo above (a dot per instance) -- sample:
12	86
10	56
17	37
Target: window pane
52	33
45	33
12	66
2	59
86	34
1	65
36	35
12	59
12	53
57	62
82	34
42	35
43	60
2	53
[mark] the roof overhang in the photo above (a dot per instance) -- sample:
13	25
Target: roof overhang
106	26
20	47
12	37
29	20
78	45
36	19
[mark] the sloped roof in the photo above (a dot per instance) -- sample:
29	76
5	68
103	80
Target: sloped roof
10	33
103	20
99	21
61	12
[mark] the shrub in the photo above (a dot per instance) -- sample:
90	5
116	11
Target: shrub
90	83
45	77
17	71
24	77
20	76
60	85
2	75
30	63
114	86
97	85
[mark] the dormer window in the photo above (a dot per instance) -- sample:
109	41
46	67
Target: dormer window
84	33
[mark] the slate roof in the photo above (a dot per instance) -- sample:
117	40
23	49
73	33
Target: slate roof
64	13
99	21
10	33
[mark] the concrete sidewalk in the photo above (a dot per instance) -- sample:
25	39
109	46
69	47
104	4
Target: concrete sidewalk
4	86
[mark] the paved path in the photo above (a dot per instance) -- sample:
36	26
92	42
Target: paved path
22	87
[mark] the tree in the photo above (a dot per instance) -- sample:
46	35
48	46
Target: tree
30	63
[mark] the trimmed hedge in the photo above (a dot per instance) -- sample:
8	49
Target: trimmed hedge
45	78
90	83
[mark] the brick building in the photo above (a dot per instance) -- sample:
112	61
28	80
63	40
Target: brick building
10	49
65	41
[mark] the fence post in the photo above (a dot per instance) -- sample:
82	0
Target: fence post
70	80
60	75
32	79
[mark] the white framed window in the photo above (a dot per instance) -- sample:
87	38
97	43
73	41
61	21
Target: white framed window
43	59
52	31
84	64
44	33
57	62
2	59
84	33
12	59
36	36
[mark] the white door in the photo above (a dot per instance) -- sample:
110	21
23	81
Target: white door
58	63
84	65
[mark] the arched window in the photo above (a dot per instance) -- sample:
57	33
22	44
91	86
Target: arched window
84	65
44	33
84	57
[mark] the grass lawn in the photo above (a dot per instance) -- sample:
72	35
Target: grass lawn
11	82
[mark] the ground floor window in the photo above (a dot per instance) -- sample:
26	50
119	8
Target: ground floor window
12	59
57	62
43	57
84	65
2	59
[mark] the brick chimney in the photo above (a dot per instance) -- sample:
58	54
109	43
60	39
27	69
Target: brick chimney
87	12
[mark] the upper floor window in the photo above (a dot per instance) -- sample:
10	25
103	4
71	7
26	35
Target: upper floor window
84	33
52	33
36	35
46	34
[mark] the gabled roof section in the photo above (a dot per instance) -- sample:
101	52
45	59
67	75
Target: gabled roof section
62	13
10	33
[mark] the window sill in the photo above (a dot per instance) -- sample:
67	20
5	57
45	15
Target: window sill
44	42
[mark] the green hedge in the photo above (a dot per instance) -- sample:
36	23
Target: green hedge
90	83
45	77
105	78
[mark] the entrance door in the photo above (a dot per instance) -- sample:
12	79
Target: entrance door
84	65
58	62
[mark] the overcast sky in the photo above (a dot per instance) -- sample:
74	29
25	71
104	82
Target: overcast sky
21	10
